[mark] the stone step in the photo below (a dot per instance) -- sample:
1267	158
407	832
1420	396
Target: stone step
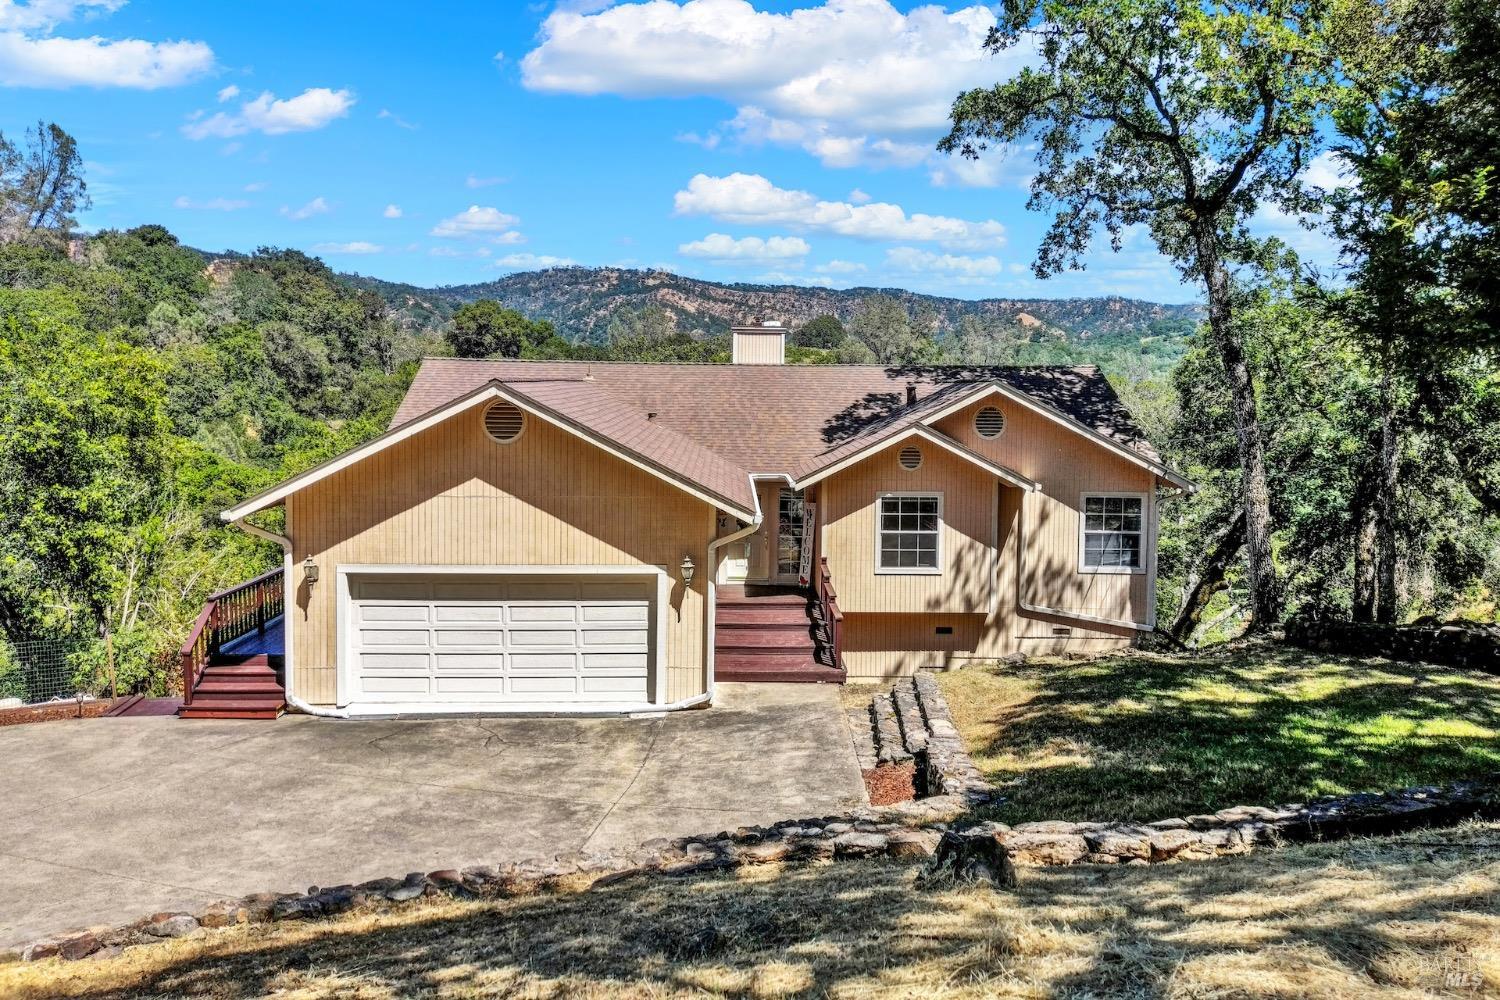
890	747
909	717
862	729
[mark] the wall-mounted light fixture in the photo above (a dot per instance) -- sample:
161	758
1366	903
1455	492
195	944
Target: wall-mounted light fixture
688	568
309	571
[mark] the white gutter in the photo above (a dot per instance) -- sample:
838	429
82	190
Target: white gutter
1042	609
286	622
712	605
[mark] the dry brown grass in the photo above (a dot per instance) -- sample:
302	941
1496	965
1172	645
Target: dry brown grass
1411	917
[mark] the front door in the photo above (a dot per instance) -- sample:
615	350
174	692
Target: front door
791	536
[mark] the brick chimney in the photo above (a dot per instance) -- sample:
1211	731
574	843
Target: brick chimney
760	344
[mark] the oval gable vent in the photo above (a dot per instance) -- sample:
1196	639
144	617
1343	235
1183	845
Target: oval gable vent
989	422
910	458
504	421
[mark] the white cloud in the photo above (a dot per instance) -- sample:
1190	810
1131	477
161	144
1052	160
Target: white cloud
750	199
858	197
531	261
28	61
840	267
314	108
996	167
318	206
392	212
476	221
850	81
1327	171
255	186
395	119
719	247
211	204
356	247
229	93
954	267
474	183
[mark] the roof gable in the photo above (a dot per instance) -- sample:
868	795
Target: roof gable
579	409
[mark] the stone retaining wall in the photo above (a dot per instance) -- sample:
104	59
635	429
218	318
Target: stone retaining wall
1467	645
911	724
912	830
1237	830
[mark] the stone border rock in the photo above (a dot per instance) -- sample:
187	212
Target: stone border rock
911	722
1225	833
1456	644
911	830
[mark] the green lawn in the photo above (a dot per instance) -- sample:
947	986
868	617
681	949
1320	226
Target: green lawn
1145	737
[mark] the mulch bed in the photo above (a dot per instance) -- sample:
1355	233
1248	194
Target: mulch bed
54	711
889	784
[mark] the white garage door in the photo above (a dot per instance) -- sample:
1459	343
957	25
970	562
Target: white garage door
489	640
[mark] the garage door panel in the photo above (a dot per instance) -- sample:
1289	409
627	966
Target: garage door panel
461	613
465	663
405	662
542	662
493	684
469	637
632	613
501	639
398	613
485	593
537	591
544	685
381	684
372	637
522	614
615	637
398	590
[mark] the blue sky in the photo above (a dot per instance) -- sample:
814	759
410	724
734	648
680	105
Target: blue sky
452	142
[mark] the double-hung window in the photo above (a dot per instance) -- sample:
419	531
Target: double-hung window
908	533
1114	531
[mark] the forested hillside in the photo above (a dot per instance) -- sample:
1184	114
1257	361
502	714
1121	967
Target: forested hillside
582	302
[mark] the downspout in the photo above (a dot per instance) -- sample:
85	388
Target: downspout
1040	609
711	610
286	622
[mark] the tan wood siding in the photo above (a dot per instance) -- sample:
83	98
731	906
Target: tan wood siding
452	496
1068	466
967	548
988	550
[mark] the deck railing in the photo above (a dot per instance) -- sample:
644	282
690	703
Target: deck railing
226	616
833	618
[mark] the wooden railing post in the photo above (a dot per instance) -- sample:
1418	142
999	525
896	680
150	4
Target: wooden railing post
227	616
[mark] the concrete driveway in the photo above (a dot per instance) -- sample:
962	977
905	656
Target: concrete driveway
106	820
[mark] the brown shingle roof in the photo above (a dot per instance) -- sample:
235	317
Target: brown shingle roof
598	411
783	418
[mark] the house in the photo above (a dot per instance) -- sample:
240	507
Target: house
578	536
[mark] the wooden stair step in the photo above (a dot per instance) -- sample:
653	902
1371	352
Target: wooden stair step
765	641
238	673
790	600
247	660
749	615
766	670
235	712
267	688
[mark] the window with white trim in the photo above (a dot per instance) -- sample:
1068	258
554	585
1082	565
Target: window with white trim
908	530
1114	532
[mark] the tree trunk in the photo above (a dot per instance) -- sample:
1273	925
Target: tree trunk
1265	589
1365	556
1385	503
1208	578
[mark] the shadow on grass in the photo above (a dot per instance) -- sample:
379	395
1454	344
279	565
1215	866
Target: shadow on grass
1146	737
1331	915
